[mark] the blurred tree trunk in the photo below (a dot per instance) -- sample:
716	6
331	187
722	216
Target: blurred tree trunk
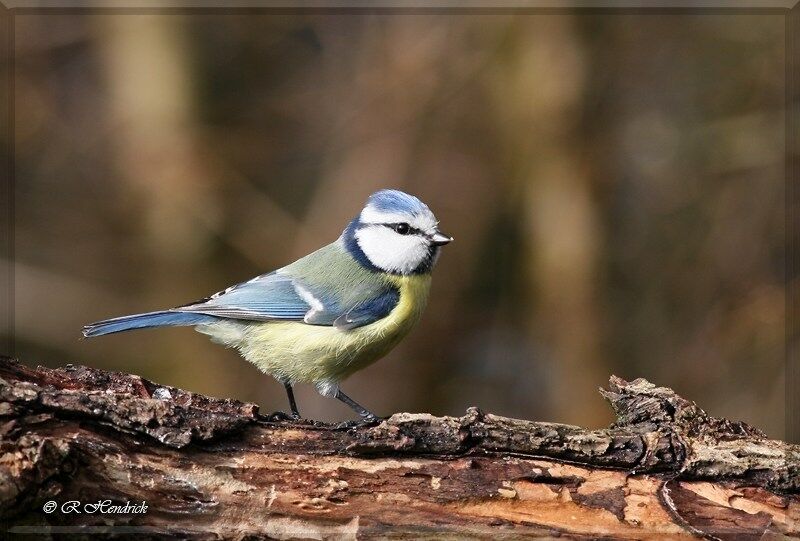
537	94
167	183
217	469
151	103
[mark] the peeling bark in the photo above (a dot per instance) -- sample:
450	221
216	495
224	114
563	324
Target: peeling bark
211	468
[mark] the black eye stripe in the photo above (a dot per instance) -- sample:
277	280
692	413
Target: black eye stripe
399	226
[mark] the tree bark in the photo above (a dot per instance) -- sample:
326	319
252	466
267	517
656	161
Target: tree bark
211	468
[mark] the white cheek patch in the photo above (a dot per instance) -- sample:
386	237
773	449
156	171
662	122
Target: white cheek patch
391	251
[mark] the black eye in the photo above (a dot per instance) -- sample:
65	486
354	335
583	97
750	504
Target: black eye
403	229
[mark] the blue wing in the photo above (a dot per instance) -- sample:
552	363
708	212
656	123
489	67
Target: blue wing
369	311
326	287
270	296
277	296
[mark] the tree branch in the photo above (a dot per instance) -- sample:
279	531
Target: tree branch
217	468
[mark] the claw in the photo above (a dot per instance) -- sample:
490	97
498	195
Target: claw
279	416
371	420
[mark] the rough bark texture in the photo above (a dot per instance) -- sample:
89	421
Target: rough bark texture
213	468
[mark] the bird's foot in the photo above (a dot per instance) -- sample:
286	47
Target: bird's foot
280	416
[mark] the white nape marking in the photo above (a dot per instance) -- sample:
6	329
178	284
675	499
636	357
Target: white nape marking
327	388
309	298
390	251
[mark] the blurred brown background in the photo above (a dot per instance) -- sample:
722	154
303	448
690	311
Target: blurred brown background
615	185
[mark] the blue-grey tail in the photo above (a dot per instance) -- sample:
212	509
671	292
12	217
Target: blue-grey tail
164	318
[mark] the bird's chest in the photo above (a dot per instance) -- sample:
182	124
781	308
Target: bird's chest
390	329
361	347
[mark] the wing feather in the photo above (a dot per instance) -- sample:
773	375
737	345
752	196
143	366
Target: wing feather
282	297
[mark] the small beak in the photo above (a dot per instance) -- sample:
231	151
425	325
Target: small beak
440	239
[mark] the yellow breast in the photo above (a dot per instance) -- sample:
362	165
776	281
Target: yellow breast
309	353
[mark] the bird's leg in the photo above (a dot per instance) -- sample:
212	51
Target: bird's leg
292	403
365	414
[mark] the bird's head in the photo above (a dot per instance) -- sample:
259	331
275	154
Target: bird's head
395	233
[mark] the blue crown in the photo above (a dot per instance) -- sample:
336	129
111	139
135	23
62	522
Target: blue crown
396	201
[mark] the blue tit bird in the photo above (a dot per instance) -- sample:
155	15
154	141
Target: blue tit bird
328	314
